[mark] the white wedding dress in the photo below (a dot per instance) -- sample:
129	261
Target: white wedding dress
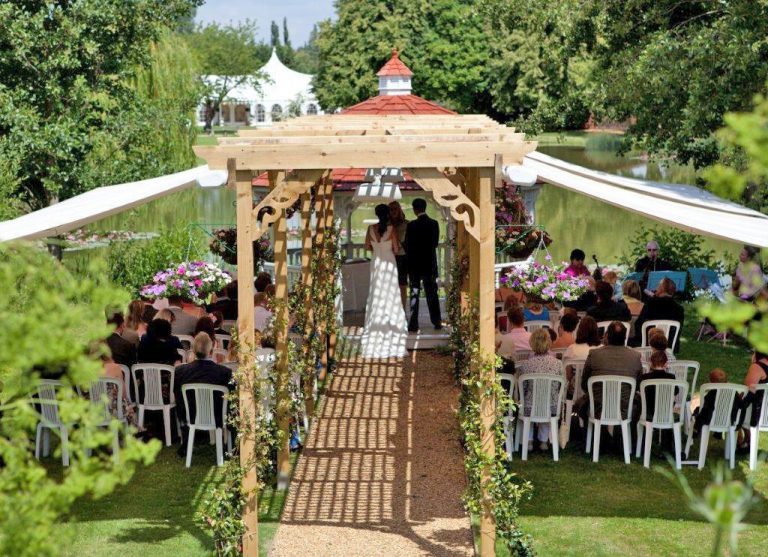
385	325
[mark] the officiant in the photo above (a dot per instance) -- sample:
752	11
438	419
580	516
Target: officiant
400	224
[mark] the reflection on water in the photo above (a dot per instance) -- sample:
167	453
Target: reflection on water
575	220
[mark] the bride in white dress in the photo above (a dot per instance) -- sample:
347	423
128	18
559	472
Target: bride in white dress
385	325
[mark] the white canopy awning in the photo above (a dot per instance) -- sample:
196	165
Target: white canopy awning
99	203
686	207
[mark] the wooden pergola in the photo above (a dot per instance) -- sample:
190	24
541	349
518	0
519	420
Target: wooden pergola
458	158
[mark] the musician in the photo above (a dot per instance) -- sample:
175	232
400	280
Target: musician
577	267
652	261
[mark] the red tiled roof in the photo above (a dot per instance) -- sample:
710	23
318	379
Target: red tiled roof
394	66
397	104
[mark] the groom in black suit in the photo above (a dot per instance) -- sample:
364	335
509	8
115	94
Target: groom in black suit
421	238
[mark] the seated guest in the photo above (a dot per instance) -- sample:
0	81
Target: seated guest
541	362
657	340
218	321
657	369
123	351
263	279
226	302
114	371
505	346
202	370
513	299
135	327
535	312
158	346
205	325
185	322
661	306
566	330
521	339
586	300
149	313
757	374
613	279
703	414
606	309
632	296
262	317
612	359
577	267
587	339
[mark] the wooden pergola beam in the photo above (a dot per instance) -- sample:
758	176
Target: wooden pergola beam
283	195
360	131
372	139
410	155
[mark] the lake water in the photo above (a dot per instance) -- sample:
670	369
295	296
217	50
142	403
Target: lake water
572	220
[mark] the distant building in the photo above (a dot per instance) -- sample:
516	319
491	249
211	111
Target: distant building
287	93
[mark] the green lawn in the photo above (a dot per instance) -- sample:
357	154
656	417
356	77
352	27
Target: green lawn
153	515
578	508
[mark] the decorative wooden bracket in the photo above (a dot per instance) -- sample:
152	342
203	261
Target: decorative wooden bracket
448	194
283	195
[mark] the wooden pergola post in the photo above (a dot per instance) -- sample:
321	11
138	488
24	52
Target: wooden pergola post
323	222
306	280
330	215
245	356
282	387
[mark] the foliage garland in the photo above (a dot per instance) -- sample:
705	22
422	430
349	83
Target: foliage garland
473	368
222	510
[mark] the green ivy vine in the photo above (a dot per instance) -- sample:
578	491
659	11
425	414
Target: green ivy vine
473	368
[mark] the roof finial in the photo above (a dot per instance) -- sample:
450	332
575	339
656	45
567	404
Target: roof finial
395	53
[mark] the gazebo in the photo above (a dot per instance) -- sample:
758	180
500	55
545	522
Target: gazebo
456	158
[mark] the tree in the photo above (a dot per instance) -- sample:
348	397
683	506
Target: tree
274	39
539	64
228	56
306	58
65	71
443	42
672	69
45	306
155	135
286	39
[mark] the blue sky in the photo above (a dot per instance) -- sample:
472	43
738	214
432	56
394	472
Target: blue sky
301	14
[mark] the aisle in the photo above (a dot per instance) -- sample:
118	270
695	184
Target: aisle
382	472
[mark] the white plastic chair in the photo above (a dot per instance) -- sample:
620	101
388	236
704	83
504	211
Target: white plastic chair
578	369
540	411
229	324
610	414
205	417
127	382
663	415
186	341
184	355
49	420
762	424
223	341
522	355
682	370
666	325
558	352
602	326
219	355
99	394
721	421
152	375
535	325
509	419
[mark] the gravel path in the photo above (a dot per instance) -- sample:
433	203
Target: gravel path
382	472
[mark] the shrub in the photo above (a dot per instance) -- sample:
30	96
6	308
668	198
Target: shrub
132	265
51	321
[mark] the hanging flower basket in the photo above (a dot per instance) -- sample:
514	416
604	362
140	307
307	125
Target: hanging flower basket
224	244
544	282
515	238
192	280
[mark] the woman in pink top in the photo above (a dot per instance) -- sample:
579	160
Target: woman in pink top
577	267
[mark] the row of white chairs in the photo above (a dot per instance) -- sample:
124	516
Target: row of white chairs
670	395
